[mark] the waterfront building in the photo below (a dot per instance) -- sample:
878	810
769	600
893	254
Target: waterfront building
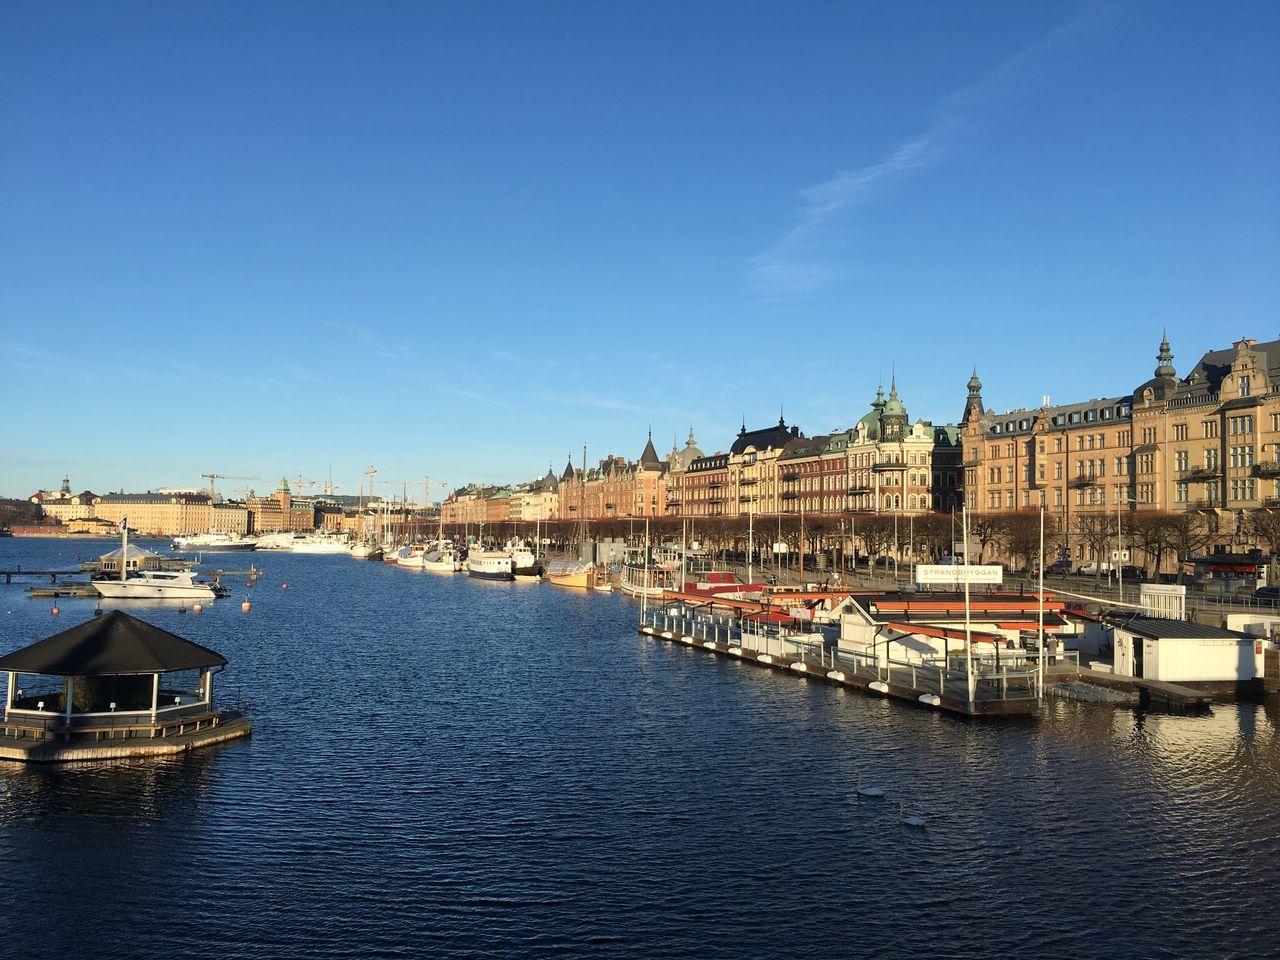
739	482
65	506
153	513
465	506
497	505
1207	444
894	465
536	501
281	513
678	463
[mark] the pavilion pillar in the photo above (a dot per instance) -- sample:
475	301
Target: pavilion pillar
155	695
13	688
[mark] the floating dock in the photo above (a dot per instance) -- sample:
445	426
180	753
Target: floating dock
843	675
179	737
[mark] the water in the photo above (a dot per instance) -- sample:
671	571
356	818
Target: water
447	767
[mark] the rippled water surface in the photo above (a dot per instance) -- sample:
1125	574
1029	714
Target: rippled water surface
447	767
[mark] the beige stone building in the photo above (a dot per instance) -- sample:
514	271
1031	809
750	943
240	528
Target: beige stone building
1208	443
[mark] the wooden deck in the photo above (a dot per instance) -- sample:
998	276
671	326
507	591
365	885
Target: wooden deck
1157	693
31	749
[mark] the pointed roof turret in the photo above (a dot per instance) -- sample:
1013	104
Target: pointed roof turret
568	469
973	405
650	456
1165	358
66	485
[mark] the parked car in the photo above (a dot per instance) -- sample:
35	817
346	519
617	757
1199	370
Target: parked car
1267	595
1092	569
1058	568
1129	572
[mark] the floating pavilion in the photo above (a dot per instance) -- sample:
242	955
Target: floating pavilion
113	686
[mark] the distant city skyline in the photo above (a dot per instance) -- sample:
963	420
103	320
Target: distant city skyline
465	240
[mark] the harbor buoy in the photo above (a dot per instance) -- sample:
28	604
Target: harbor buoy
284	586
799	667
182	610
246	607
196	608
835	675
764	658
54	611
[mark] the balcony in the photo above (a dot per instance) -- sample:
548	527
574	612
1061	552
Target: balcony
882	467
790	477
715	500
790	495
748	481
856	491
1200	474
673	501
1268	468
715	485
1079	483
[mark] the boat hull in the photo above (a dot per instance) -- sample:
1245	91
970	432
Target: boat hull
491	574
577	581
115	590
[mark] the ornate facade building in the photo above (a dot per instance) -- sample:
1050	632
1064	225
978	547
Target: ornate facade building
1207	443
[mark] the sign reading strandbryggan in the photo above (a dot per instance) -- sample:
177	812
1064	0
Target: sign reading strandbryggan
956	574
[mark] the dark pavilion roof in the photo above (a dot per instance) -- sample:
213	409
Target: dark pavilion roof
115	643
766	438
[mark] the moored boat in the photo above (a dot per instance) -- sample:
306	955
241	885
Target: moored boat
578	574
490	565
158	585
214	541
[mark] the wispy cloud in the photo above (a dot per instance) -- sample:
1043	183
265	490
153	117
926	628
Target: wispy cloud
795	264
376	345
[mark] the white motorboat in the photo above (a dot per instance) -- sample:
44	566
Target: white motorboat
442	561
214	541
157	584
276	541
320	544
411	556
366	551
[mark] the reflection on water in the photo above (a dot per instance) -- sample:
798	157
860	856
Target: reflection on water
471	769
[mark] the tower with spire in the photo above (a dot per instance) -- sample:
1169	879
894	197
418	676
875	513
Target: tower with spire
973	409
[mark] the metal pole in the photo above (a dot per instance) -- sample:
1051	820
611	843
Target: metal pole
1041	599
968	636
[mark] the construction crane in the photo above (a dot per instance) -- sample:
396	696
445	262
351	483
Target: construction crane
224	476
301	482
427	484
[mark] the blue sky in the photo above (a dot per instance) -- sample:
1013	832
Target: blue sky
464	239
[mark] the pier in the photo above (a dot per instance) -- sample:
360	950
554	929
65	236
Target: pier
1008	692
53	575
